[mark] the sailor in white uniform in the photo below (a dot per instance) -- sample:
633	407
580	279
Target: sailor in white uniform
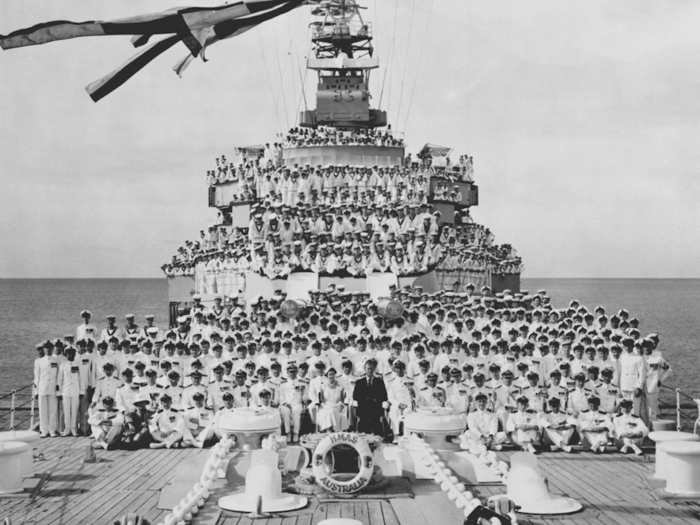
401	396
106	423
199	423
167	426
482	425
630	430
559	427
524	426
595	427
86	330
70	385
45	387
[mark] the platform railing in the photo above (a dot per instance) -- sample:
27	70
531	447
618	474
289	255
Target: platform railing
681	407
17	405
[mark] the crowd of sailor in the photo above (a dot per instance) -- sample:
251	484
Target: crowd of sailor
330	136
335	184
343	240
523	373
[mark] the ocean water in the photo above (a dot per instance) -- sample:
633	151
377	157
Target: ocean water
32	310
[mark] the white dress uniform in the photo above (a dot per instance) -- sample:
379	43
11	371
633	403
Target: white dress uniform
458	397
609	395
595	428
259	387
125	396
629	424
632	374
578	400
102	432
45	382
482	424
171	421
657	371
106	387
399	391
553	433
187	400
86	331
70	385
524	438
430	397
292	396
199	426
216	391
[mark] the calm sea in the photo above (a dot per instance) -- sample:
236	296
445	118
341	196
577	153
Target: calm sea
35	309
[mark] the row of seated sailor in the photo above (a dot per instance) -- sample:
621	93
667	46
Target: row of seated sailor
325	403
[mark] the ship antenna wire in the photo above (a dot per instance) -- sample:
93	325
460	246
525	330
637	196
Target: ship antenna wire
269	82
291	62
279	70
420	58
303	84
391	50
405	65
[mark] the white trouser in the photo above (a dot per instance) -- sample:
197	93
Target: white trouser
558	438
652	413
475	435
397	416
48	414
621	442
291	418
199	438
71	404
594	440
105	433
526	437
169	439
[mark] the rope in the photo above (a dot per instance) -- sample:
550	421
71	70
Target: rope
269	82
391	50
291	62
405	65
420	59
279	71
306	71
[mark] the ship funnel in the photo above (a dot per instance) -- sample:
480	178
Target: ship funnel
390	308
291	308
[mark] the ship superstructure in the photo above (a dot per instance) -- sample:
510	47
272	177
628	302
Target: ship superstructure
343	158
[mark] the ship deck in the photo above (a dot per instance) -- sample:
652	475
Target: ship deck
611	487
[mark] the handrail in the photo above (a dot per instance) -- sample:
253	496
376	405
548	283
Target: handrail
680	413
14	407
14	391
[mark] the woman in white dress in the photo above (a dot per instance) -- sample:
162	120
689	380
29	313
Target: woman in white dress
331	414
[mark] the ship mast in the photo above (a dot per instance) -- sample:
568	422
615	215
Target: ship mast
343	58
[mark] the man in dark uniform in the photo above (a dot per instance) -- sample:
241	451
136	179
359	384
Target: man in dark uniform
370	400
135	433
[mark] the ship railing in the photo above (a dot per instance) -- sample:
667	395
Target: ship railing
683	404
16	409
351	29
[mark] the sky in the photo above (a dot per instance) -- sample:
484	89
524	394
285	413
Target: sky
583	119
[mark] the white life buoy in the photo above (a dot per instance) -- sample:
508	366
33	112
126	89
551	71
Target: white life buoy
360	481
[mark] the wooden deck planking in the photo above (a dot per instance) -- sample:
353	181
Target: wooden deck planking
113	483
611	488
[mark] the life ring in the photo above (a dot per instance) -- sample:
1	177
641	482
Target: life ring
356	484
